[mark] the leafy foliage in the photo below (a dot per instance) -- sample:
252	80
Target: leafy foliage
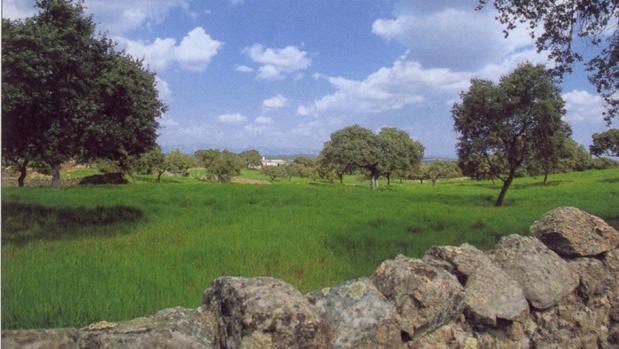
440	169
357	148
556	24
68	94
250	158
178	163
206	156
503	126
399	153
225	165
274	172
605	143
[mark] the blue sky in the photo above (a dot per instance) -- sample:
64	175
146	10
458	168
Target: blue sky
280	76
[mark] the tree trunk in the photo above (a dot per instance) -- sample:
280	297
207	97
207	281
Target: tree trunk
506	184
341	178
401	180
433	182
159	176
56	176
23	169
388	179
373	182
420	180
545	177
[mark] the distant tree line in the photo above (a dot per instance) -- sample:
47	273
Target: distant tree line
220	165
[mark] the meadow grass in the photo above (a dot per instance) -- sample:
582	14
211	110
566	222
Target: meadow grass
89	253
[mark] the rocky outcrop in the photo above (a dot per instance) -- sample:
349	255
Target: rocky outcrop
572	232
521	294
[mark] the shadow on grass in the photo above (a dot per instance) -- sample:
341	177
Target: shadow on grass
515	186
612	221
151	179
22	223
462	200
537	184
610	180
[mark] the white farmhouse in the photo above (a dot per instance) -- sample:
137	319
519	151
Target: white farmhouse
272	162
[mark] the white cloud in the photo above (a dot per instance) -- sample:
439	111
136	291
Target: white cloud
309	128
255	129
231	118
194	52
406	82
236	2
269	72
163	87
244	69
455	38
113	16
275	102
445	50
264	120
276	63
583	106
120	16
17	9
167	121
158	55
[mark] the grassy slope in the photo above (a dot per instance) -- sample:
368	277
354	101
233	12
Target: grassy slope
82	264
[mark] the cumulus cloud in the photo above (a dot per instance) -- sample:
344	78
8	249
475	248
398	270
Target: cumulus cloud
120	16
264	120
231	118
406	82
194	52
113	16
275	102
582	106
17	9
163	88
276	63
244	69
445	49
454	38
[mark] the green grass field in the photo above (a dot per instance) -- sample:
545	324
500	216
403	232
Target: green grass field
83	254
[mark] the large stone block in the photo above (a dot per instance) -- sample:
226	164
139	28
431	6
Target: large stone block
572	232
359	315
264	312
167	329
61	338
426	297
544	277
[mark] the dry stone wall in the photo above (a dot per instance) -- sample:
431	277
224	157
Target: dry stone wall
558	288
